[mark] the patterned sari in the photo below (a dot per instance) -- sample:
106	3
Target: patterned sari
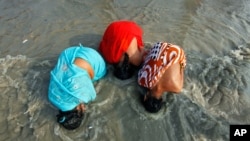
158	60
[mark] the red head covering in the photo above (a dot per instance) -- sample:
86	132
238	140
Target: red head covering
117	39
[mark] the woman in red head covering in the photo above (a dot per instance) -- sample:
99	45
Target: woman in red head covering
122	46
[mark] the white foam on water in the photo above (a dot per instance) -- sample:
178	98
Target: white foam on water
214	95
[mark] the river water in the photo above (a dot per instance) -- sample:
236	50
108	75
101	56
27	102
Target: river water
214	34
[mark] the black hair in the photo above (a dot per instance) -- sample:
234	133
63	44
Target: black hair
124	69
151	104
70	119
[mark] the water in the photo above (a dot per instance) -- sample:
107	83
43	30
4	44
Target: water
216	91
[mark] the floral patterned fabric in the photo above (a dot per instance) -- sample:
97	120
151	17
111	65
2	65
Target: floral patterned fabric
158	60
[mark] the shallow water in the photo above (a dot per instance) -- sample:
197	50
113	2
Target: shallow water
216	93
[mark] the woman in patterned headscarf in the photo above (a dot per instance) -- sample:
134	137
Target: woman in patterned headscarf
163	70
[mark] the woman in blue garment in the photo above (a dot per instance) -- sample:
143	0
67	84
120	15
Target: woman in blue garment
71	83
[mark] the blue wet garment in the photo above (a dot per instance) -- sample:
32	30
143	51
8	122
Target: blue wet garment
71	85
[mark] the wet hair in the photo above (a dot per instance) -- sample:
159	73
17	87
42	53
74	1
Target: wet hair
152	104
124	69
70	119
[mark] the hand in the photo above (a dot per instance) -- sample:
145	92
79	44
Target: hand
81	108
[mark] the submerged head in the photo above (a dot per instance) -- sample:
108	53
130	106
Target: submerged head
70	119
152	104
124	70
